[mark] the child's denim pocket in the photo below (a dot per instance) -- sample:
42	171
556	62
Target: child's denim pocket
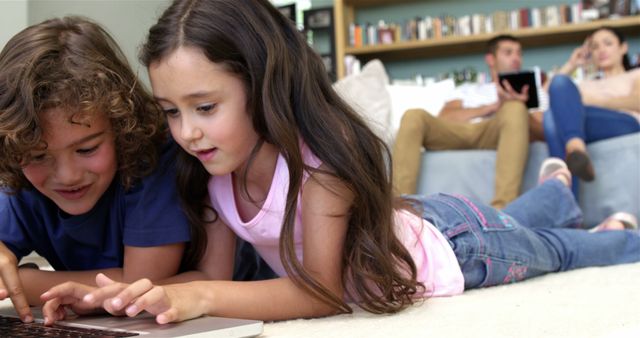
487	217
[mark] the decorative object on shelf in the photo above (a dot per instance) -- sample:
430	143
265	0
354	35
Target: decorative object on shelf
289	11
319	28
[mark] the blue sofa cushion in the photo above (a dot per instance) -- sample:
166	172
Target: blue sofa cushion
471	172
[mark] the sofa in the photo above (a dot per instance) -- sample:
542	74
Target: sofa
471	172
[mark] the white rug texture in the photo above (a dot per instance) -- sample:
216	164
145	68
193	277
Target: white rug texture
601	302
592	302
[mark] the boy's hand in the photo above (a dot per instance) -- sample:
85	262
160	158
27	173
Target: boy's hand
69	294
10	284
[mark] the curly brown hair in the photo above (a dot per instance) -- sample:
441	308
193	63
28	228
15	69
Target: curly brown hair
73	64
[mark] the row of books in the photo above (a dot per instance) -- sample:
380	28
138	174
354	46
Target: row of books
436	27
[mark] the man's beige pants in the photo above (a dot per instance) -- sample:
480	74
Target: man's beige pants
507	131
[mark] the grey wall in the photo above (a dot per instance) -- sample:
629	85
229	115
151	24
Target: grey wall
13	18
126	20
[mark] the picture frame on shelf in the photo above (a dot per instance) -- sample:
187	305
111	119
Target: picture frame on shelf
319	28
289	11
318	18
327	60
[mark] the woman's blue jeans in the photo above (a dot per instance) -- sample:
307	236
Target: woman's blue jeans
569	118
535	234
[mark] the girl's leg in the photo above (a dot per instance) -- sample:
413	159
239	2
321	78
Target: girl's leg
493	249
525	253
549	205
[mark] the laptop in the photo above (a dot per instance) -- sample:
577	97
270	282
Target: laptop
141	326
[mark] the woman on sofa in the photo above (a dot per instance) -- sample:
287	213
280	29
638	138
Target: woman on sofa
600	108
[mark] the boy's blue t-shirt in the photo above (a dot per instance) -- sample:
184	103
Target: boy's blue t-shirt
148	214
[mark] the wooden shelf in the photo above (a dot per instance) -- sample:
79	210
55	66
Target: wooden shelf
344	12
372	3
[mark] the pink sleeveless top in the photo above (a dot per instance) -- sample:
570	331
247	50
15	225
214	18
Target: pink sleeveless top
437	266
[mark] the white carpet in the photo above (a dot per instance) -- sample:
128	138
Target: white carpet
593	302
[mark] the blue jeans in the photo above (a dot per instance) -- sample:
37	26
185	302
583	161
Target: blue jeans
569	118
535	234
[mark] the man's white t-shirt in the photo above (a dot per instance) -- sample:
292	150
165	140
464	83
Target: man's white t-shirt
474	95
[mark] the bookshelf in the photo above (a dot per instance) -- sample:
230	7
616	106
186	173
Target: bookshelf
345	10
318	24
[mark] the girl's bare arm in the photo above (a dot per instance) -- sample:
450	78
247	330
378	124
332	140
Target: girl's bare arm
326	202
155	263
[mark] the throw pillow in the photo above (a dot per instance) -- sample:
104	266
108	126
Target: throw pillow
366	92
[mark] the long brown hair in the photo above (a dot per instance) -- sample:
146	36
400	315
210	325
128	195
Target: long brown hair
72	63
290	97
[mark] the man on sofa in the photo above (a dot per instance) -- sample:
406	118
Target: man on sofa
477	116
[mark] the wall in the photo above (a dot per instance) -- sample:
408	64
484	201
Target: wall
547	58
127	21
13	18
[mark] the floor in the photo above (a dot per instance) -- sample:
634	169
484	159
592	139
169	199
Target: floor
34	258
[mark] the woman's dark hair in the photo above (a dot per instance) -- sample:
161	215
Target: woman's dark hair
73	64
290	97
621	39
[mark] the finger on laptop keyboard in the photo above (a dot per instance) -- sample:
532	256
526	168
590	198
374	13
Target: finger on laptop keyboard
168	316
103	295
3	291
107	289
12	287
51	311
154	301
68	290
130	293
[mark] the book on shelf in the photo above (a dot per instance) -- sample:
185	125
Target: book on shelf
425	27
602	9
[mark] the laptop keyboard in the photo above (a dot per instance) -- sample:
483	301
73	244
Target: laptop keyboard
14	327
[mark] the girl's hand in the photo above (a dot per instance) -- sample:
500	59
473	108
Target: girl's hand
67	295
170	303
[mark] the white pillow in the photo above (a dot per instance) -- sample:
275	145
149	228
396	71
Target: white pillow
366	92
431	98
